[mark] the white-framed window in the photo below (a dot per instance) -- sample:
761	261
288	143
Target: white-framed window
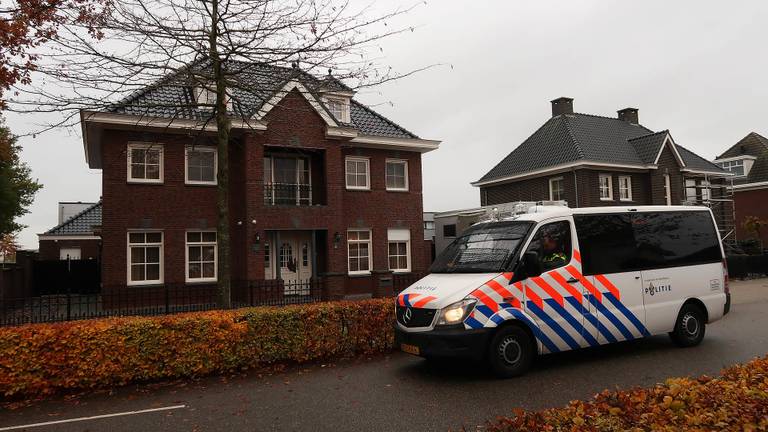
339	107
606	187
396	175
72	253
556	189
201	256
429	225
206	95
200	165
625	188
735	166
145	162
359	251
267	256
399	250
145	257
358	173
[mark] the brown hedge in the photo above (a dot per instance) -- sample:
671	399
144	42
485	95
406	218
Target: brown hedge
41	359
736	401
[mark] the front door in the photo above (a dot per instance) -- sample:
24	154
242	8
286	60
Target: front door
294	256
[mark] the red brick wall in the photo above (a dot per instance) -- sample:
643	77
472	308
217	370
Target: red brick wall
49	249
751	203
175	207
537	189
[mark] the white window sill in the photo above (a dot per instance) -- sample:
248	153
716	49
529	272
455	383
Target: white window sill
625	199
606	199
359	273
401	271
145	283
194	183
397	190
140	181
200	281
351	188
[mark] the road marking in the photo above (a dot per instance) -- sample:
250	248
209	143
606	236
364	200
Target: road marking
96	417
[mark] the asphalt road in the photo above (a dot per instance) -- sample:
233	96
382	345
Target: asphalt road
403	393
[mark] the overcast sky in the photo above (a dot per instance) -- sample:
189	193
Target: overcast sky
697	68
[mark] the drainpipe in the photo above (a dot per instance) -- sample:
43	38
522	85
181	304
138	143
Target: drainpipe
575	186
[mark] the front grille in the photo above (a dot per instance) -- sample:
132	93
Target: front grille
419	317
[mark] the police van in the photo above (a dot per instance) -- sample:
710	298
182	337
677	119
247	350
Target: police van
555	279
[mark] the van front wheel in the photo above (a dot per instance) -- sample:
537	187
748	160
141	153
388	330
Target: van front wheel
690	326
510	352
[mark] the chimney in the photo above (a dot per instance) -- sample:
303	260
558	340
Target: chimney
562	105
629	115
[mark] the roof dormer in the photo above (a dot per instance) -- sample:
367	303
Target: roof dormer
337	97
739	166
206	95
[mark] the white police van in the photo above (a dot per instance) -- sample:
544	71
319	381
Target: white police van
555	279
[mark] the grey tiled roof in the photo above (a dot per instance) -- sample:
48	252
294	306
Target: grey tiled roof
756	145
696	162
79	224
254	84
577	137
647	146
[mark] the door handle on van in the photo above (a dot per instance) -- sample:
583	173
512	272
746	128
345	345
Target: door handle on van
572	280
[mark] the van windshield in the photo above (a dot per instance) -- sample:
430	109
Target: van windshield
483	248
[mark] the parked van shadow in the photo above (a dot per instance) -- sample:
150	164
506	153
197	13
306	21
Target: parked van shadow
461	370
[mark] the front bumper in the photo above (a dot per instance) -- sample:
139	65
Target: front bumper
454	342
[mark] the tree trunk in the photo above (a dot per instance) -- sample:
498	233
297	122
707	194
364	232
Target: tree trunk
223	126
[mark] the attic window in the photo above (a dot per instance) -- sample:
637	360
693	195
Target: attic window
207	96
339	107
738	166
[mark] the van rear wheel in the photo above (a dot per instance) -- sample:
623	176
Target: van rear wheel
511	352
690	326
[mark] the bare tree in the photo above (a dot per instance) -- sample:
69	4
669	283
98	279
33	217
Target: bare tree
209	44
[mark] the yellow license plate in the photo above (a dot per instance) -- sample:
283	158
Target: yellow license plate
410	349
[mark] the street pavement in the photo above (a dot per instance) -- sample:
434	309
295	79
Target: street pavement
400	392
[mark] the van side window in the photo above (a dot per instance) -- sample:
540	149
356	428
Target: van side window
607	243
672	239
616	243
552	242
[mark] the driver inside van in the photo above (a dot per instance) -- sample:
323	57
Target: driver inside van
553	256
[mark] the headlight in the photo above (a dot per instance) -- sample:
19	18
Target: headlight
456	312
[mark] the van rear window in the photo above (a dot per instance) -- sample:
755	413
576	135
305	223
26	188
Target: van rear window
615	243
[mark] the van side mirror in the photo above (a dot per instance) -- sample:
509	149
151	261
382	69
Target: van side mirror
532	264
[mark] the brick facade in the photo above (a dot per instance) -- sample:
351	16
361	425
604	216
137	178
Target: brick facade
585	193
50	249
293	126
751	203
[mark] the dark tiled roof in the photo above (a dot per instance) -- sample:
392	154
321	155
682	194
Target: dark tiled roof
696	162
254	84
647	146
79	224
756	145
570	138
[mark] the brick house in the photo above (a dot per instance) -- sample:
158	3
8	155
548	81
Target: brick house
588	160
77	235
321	186
747	160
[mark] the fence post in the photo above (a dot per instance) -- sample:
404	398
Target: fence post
69	288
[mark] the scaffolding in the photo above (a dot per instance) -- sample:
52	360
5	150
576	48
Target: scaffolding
718	197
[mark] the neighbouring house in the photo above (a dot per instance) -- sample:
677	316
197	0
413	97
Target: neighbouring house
589	160
747	160
321	186
77	236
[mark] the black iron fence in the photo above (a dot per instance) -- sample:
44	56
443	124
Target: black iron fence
742	266
288	194
154	300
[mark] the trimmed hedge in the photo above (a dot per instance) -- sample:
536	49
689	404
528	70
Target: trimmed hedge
41	359
737	400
